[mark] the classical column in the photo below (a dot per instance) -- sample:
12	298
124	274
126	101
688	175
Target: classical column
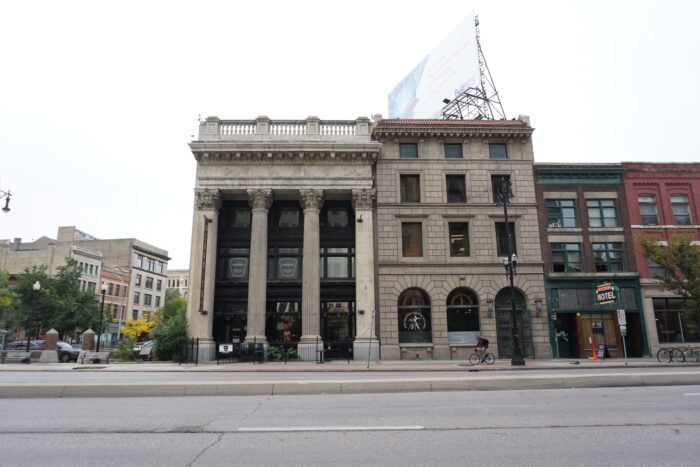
366	345
311	201
200	306
260	201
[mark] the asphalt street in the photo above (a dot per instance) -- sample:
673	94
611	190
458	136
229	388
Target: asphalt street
607	426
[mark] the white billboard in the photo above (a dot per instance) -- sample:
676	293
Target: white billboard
446	72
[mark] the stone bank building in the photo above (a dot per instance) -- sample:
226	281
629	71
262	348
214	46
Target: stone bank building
374	239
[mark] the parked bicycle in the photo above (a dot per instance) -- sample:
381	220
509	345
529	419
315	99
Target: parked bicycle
476	358
678	354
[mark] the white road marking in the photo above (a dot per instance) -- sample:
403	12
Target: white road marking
330	428
692	394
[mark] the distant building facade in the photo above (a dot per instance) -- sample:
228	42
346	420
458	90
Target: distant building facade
178	279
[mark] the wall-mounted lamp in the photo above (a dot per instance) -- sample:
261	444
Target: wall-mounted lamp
359	219
538	307
489	304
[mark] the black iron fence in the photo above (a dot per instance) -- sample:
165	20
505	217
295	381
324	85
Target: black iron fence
190	351
318	351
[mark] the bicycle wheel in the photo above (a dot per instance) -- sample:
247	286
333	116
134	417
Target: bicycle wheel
474	359
678	355
664	356
489	359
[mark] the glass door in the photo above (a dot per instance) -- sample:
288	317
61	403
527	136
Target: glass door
338	328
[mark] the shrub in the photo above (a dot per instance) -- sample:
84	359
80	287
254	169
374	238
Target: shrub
125	349
170	336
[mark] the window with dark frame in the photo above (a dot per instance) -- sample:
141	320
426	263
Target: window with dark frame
561	213
453	151
337	263
647	209
137	280
459	238
497	184
608	257
414	317
655	270
566	257
284	263
410	188
408	150
681	209
502	240
456	188
149	282
602	213
462	317
498	151
147	299
412	239
670	324
137	298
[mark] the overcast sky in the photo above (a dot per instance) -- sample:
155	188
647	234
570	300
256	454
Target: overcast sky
98	100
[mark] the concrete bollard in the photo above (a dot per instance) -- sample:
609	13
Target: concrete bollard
49	354
88	340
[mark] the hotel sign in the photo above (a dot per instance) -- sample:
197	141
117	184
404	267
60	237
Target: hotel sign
607	293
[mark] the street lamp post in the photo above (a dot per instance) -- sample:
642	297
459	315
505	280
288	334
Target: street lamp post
7	195
504	195
102	313
36	287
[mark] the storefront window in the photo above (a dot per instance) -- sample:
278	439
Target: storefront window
284	322
462	317
670	325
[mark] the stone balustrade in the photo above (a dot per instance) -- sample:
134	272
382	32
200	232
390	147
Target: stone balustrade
313	128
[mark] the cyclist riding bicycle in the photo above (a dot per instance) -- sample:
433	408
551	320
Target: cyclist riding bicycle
482	345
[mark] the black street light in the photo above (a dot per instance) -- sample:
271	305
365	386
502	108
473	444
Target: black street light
36	287
102	313
504	194
7	195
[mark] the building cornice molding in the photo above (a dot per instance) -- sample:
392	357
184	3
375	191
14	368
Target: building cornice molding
466	131
287	152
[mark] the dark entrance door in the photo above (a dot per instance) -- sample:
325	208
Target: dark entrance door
338	328
567	337
504	325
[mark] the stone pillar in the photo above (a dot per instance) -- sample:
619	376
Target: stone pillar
311	201
49	354
260	202
88	340
200	305
366	345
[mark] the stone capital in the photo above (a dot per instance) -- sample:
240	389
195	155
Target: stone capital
207	198
260	198
363	198
311	199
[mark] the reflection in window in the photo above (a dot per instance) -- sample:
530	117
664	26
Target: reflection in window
462	317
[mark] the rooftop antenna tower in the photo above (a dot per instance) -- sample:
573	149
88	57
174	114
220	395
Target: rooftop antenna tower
476	103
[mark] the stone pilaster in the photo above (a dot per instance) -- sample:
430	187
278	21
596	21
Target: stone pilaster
366	345
311	201
260	201
200	307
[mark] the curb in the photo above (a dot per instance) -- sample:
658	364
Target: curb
270	388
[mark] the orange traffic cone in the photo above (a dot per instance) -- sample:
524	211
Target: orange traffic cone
594	356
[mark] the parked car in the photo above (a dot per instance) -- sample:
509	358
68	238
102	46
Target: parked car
22	345
139	345
66	352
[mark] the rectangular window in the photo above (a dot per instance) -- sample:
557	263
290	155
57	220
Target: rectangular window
138	261
655	270
159	267
410	188
459	238
284	263
566	257
150	264
608	257
158	300
453	151
408	150
111	289
135	314
681	209
149	282
561	213
147	299
289	217
456	189
159	284
337	263
647	209
412	238
497	185
97	270
670	325
502	239
116	290
498	151
602	213
241	218
137	298
90	269
337	218
137	280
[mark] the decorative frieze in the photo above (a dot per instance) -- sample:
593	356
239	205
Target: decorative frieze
363	198
207	198
311	199
260	198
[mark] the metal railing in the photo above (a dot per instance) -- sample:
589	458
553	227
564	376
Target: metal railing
190	351
318	351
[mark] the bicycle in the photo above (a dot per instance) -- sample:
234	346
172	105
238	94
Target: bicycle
475	358
685	354
664	355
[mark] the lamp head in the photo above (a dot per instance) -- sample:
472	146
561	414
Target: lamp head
104	286
36	286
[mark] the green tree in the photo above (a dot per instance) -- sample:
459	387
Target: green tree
171	293
7	296
170	334
680	261
31	307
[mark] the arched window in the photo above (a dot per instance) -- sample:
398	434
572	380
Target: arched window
462	317
414	317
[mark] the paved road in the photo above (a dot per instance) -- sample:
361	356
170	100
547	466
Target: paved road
612	426
97	376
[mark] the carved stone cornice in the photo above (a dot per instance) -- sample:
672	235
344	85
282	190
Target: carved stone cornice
260	198
363	198
311	199
205	157
207	198
467	129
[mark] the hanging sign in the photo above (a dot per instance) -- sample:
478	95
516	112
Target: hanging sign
607	293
